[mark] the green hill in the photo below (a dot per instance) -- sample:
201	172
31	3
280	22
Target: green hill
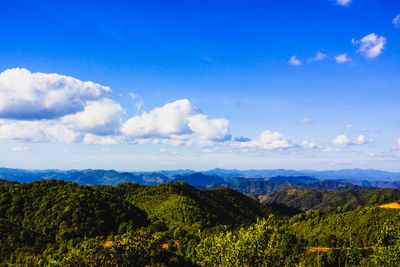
181	203
280	183
40	215
51	217
325	201
362	225
56	223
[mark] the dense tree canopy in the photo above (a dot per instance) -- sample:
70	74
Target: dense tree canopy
174	224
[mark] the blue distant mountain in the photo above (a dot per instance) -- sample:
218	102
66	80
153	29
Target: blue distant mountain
211	178
354	174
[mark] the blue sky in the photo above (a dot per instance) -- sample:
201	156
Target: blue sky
147	85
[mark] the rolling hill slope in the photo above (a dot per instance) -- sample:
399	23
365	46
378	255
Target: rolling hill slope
325	201
268	187
182	203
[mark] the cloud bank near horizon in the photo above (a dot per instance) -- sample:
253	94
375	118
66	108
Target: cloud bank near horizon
53	108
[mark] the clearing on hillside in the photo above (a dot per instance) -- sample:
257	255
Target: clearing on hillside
393	205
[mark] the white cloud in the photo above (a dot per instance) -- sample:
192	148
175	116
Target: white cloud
179	119
268	140
25	95
91	139
371	45
99	117
294	61
342	58
307	145
341	140
171	119
216	129
360	140
319	56
396	21
343	2
37	131
21	149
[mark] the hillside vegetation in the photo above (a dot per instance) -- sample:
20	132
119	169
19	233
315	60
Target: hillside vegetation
52	217
276	185
56	223
326	201
182	203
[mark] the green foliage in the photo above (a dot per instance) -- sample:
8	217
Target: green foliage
328	201
258	245
45	216
276	184
362	224
132	249
181	204
55	223
387	249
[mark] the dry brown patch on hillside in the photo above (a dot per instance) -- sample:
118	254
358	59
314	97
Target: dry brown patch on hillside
393	205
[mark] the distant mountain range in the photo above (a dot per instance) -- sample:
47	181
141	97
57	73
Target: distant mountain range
245	181
354	174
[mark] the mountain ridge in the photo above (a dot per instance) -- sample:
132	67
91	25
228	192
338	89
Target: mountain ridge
214	178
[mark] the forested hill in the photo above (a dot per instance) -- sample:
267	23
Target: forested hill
57	223
2	181
326	201
49	213
268	187
50	217
181	203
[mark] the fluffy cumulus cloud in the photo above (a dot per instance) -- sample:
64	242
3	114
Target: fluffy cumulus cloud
166	121
26	95
343	2
343	140
204	128
40	107
371	45
340	140
98	117
342	58
360	140
176	120
294	61
268	140
396	21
